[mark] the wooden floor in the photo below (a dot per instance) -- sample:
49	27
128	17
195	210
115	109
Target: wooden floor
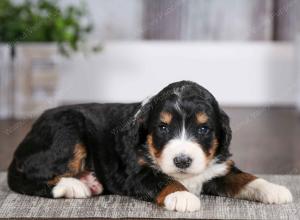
265	140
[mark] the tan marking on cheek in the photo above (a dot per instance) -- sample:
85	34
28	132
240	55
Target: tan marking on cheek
172	187
152	149
201	117
212	151
166	117
75	166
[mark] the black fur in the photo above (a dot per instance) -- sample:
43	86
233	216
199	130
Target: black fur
115	136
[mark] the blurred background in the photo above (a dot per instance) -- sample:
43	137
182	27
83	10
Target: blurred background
247	53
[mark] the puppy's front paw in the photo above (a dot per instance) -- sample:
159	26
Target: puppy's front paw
266	192
182	201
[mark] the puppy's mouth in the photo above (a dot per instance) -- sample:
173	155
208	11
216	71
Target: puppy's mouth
182	174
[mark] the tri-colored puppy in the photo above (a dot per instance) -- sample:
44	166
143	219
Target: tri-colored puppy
166	150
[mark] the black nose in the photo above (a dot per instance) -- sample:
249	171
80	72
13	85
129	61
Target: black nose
182	161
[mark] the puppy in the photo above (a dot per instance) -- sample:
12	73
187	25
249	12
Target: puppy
167	150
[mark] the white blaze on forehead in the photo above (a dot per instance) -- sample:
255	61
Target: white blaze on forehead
183	135
177	107
178	92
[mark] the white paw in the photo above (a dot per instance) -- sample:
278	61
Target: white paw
266	192
71	188
182	201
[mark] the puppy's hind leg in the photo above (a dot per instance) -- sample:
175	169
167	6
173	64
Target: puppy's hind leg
90	179
85	186
72	188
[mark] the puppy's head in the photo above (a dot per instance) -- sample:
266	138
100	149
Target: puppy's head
184	130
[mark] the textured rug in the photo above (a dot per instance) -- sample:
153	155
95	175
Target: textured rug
13	205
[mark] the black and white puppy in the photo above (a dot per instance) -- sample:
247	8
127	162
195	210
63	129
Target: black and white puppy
166	150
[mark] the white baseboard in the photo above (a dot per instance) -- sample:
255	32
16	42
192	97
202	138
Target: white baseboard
246	74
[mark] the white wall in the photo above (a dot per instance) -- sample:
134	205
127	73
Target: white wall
236	73
297	48
113	19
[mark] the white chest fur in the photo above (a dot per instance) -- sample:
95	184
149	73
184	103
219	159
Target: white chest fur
194	184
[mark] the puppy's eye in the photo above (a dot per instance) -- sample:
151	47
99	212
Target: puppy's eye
163	128
204	130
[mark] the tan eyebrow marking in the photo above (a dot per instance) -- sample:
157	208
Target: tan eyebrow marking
166	117
201	117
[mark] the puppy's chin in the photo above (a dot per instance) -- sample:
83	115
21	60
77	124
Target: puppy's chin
181	174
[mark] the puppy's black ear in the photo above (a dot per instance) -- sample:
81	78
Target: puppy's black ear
135	130
225	134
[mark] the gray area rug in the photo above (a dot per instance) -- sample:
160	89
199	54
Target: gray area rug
13	205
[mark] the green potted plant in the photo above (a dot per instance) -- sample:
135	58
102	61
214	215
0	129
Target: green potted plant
36	30
43	21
